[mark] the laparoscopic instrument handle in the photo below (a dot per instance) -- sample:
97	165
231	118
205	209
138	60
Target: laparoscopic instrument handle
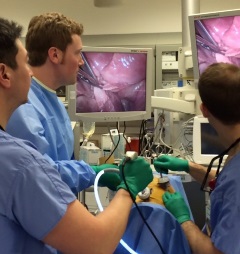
130	155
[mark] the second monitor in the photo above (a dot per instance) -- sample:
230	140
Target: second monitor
206	143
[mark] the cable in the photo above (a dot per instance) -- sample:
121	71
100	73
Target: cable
100	207
88	131
141	135
128	146
115	146
138	209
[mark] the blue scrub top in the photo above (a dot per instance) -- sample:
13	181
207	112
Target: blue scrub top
44	121
33	198
225	208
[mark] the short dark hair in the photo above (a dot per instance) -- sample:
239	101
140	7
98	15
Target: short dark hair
10	31
49	30
219	89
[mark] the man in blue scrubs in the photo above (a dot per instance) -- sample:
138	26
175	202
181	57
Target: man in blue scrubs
219	89
38	212
54	44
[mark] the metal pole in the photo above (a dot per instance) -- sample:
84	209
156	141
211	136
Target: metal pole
188	7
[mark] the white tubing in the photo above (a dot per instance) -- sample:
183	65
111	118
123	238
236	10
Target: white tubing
100	207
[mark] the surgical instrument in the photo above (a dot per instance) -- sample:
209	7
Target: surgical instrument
86	73
205	39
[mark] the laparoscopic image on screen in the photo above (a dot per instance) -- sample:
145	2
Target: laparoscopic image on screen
111	82
218	40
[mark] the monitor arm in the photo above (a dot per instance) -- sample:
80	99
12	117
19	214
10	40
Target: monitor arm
177	99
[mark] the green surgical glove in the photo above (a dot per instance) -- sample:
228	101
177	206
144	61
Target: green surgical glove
138	174
108	179
176	205
165	162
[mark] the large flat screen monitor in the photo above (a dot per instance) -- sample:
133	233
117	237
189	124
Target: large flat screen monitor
206	143
215	38
114	84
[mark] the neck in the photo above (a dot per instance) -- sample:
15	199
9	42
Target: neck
235	149
5	115
46	75
230	140
3	125
8	104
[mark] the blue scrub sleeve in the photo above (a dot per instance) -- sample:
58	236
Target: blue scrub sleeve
39	198
76	174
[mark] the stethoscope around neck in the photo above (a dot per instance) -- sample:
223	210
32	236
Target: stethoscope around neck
219	157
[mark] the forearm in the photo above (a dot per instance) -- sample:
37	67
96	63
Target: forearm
79	231
199	242
198	172
119	208
101	233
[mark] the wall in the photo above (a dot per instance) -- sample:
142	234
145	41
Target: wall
128	17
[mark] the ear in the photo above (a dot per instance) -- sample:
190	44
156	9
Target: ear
204	110
4	76
55	55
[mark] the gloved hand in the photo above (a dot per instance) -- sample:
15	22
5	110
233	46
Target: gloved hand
108	179
165	162
138	174
176	205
